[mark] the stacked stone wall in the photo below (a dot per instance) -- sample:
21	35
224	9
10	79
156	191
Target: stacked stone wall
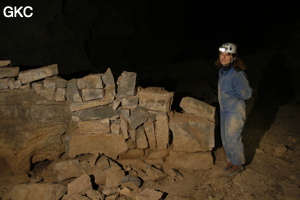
115	121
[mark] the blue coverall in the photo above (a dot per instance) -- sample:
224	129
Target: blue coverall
233	89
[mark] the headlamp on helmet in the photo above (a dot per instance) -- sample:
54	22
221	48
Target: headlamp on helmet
228	48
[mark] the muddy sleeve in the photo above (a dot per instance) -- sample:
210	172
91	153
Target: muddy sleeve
241	86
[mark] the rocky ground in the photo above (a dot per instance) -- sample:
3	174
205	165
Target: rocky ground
272	171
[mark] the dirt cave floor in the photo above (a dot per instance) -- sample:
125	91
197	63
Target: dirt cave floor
272	169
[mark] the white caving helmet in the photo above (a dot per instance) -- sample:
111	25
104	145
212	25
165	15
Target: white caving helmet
228	47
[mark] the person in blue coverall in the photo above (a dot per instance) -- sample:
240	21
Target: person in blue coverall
233	90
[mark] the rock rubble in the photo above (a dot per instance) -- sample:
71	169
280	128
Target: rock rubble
104	138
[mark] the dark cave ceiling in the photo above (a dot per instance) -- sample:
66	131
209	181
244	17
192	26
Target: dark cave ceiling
95	34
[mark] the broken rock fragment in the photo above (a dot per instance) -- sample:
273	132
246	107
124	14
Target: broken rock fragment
198	108
79	185
126	84
149	194
138	117
68	169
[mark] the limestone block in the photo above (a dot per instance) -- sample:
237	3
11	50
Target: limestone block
9	72
125	113
82	83
35	125
189	161
37	74
57	81
94	194
114	175
18	83
37	86
89	104
99	170
131	182
141	139
153	174
72	92
11	83
109	92
96	143
108	78
4	84
162	132
47	93
4	63
49	84
94	81
117	103
60	94
155	155
149	130
126	84
68	169
79	185
36	191
110	86
101	112
132	133
156	99
149	194
191	133
130	102
115	129
94	126
124	126
125	191
133	154
25	87
138	117
92	94
198	108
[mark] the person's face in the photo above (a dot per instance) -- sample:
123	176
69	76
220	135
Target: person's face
225	58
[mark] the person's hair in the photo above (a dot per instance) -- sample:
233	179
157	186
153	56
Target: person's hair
237	63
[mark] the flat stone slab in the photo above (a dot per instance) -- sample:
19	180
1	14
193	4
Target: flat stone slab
9	72
4	63
108	144
37	74
101	112
198	108
94	126
88	104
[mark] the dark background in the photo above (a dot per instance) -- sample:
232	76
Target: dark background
147	36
